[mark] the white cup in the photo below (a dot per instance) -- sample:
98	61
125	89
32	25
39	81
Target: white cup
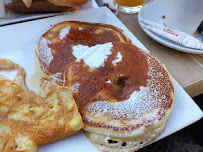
184	15
2	9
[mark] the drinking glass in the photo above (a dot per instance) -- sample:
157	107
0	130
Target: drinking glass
129	6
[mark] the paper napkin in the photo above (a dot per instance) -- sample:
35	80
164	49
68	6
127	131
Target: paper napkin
173	35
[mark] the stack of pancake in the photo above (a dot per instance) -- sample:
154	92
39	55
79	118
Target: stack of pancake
124	94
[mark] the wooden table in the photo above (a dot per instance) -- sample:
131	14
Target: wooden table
186	68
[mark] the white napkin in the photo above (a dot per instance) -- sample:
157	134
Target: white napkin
108	3
173	35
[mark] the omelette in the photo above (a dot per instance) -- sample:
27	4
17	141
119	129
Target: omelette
27	119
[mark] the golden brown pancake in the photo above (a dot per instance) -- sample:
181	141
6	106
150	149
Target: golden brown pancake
54	48
123	93
28	120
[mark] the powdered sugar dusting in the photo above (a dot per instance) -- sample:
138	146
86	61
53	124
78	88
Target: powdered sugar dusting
64	32
49	42
108	81
56	76
119	59
94	56
80	28
139	102
45	52
75	88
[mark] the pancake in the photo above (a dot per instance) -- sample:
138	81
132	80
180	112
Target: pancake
124	94
54	48
27	119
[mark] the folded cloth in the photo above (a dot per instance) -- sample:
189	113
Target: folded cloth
108	3
173	35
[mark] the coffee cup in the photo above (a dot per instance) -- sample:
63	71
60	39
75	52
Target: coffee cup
184	15
2	9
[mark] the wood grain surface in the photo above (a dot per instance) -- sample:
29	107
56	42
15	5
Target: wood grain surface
186	68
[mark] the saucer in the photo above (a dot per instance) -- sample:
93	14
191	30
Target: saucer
155	11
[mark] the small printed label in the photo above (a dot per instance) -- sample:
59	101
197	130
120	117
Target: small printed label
170	31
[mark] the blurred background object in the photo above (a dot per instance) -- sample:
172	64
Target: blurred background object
18	6
2	9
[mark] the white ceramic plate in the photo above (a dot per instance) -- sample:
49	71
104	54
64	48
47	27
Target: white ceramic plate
18	42
154	11
14	18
